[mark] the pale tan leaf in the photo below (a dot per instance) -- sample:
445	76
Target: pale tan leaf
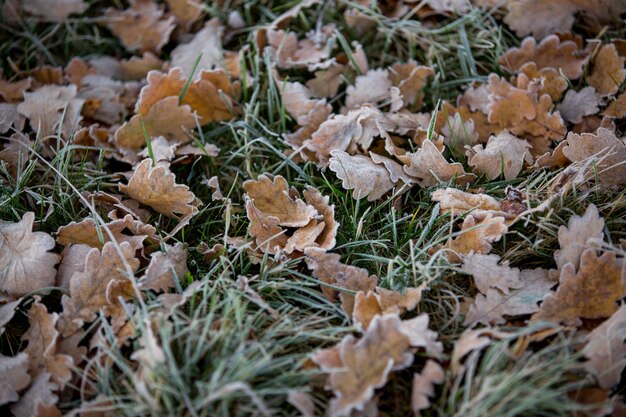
326	239
504	154
7	311
186	12
268	235
13	376
371	88
615	109
360	174
458	133
424	385
208	42
39	400
165	269
488	273
411	79
59	13
460	202
381	301
608	71
548	80
577	104
476	236
429	167
25	261
581	233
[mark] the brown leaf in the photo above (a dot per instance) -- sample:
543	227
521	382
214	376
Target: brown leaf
360	174
429	167
141	26
88	288
7	311
51	107
582	233
289	52
411	79
476	236
606	350
548	80
43	337
488	273
14	91
357	367
493	305
458	133
208	42
590	293
59	13
424	385
460	202
606	148
383	301
13	376
165	269
156	187
504	154
551	52
25	263
577	104
39	400
10	117
370	88
608	71
616	108
186	12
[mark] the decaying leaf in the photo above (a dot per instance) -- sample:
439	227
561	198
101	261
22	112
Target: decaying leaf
608	71
156	187
357	367
61	10
186	12
615	109
582	233
39	400
606	350
476	236
460	202
13	376
505	154
606	149
165	269
207	42
25	261
424	385
577	104
488	273
360	174
591	292
429	167
382	301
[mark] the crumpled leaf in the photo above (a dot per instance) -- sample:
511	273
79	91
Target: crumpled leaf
428	167
43	337
551	52
208	42
476	236
424	385
61	10
13	376
606	350
488	273
25	261
608	71
411	79
141	26
165	269
609	151
39	400
504	154
548	80
156	187
88	288
372	87
460	202
615	109
382	301
590	293
357	367
186	12
310	52
491	306
360	174
577	104
51	107
582	233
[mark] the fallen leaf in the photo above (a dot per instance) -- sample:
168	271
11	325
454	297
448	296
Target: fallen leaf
476	236
551	52
489	273
607	73
186	12
156	187
165	269
39	400
303	402
382	301
310	52
606	350
14	91
7	311
141	26
429	167
505	154
577	104
608	152
207	42
13	376
548	80
424	385
458	133
460	202
615	109
360	174
582	233
25	261
59	13
411	79
370	88
590	293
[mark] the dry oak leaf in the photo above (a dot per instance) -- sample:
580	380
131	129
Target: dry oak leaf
7	311
275	198
13	376
582	233
371	88
472	340
60	10
25	263
39	400
606	350
186	12
312	52
476	236
327	268
505	154
608	151
549	80
349	132
165	118
492	307
156	187
460	202
207	43
577	104
14	91
165	269
50	105
424	386
607	73
590	293
489	273
411	79
73	260
616	108
383	301
357	367
541	18
360	174
88	288
10	117
482	126
43	350
211	95
141	26
428	167
268	235
457	133
551	52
